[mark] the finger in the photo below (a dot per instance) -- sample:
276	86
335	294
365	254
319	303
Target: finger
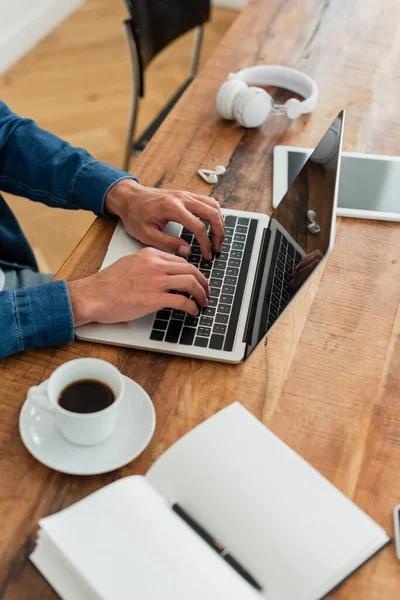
188	283
179	302
211	202
184	268
309	258
169	243
193	224
211	215
303	274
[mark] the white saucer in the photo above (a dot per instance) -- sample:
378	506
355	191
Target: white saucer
134	430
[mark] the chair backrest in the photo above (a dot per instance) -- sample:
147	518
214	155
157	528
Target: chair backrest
157	23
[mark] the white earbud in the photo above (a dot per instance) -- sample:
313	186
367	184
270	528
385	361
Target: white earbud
313	226
211	176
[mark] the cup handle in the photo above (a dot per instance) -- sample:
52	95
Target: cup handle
38	398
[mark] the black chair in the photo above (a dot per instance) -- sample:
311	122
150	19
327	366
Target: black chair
153	24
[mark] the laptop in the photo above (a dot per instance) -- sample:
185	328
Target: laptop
254	279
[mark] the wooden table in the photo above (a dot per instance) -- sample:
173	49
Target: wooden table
327	380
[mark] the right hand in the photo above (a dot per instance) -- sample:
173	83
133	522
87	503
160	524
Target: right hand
136	285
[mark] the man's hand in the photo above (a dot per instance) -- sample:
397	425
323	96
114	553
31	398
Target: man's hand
135	286
304	269
146	211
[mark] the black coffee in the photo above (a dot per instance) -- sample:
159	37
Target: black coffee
86	396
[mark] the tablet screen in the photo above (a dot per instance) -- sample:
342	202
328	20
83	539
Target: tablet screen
365	183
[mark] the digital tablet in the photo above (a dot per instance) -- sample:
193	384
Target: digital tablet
369	183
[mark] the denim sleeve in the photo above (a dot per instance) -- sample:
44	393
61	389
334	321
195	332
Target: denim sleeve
35	316
42	167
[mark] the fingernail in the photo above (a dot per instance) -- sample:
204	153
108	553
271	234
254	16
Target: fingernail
209	291
184	251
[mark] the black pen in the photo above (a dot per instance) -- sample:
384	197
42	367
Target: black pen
217	546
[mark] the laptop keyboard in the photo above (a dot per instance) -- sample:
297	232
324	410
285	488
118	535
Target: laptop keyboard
287	258
215	326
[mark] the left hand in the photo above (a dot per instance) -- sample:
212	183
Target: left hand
146	211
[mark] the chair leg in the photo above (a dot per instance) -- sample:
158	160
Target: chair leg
198	40
134	107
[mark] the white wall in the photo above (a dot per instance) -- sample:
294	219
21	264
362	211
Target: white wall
236	4
24	22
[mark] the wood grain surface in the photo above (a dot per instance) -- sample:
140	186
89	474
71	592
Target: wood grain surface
327	380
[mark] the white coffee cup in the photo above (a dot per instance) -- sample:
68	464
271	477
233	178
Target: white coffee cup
88	428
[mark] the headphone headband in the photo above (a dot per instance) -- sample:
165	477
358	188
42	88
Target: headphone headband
282	77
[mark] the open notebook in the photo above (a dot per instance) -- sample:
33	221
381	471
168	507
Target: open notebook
293	531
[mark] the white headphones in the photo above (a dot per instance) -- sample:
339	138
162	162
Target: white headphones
251	106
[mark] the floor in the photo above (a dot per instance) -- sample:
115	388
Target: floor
76	84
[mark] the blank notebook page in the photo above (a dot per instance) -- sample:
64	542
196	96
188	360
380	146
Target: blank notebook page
296	533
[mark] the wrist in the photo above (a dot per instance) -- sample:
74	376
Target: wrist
119	195
82	308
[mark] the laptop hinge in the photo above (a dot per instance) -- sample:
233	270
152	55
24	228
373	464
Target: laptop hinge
257	285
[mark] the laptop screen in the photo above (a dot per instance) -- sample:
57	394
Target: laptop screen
299	235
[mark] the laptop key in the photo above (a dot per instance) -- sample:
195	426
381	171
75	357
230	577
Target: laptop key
240	237
236	254
227	239
226	298
209	311
204	331
206	264
173	331
219	329
232	271
216	342
243	221
158	324
215	292
206	322
225	248
194	259
221	318
229	231
219	264
187	336
230	221
187	237
281	264
178	314
215	282
218	273
241	229
228	289
224	308
205	273
201	342
158	336
191	321
237	246
234	262
230	280
164	314
212	301
222	256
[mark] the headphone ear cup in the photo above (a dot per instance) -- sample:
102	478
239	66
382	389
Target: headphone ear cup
293	108
226	97
252	107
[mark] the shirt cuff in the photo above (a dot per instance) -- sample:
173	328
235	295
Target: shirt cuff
44	315
92	183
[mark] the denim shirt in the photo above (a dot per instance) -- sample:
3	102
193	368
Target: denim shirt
43	168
